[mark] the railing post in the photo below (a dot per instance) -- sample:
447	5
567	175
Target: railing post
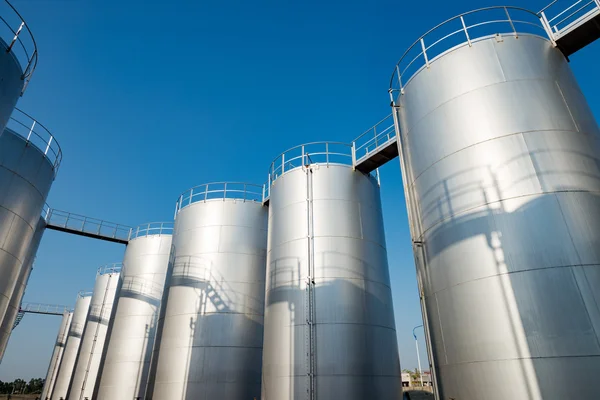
283	161
224	191
424	52
16	36
100	227
399	79
67	220
327	154
466	31
31	130
354	154
205	193
511	23
302	157
547	28
48	146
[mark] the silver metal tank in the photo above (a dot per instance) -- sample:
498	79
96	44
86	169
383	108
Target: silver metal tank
501	166
61	340
95	333
29	160
210	344
15	301
126	363
329	320
67	364
18	59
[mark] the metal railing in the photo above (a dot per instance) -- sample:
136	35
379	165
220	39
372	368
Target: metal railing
219	190
113	268
76	328
40	308
458	31
143	286
18	40
85	293
561	18
306	154
152	228
37	134
93	226
380	134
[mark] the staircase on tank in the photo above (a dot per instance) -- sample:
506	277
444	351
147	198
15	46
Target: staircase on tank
572	27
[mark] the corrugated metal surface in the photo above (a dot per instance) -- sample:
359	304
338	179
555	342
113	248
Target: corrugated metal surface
94	335
67	364
124	371
59	347
329	320
212	324
502	158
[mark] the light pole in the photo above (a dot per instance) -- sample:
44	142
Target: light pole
418	357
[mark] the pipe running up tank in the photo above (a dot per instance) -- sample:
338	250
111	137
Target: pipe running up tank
329	320
61	340
210	343
18	59
94	334
15	301
67	364
29	160
501	165
126	363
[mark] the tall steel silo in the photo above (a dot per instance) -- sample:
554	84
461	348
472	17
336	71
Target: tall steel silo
59	347
329	320
210	344
67	363
501	166
94	334
126	364
17	296
18	59
29	160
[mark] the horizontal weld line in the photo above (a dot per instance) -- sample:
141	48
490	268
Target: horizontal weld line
270	248
518	358
513	272
316	279
463	212
348	323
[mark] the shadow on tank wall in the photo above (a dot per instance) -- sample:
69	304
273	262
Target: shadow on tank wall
539	253
145	290
356	344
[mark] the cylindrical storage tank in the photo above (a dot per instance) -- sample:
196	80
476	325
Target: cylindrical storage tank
18	59
501	166
210	344
67	364
29	160
94	334
329	320
15	301
61	340
126	364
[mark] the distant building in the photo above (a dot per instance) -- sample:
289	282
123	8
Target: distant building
413	380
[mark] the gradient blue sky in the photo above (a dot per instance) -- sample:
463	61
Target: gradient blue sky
148	98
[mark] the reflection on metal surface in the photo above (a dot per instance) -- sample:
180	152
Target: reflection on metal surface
67	363
126	361
57	354
329	321
94	335
501	165
211	322
26	175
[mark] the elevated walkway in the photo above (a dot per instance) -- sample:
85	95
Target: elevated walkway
574	26
39	308
375	147
76	224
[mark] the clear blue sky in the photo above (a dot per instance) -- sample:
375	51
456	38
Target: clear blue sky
148	98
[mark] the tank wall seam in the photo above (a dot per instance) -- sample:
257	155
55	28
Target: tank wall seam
27	180
511	273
